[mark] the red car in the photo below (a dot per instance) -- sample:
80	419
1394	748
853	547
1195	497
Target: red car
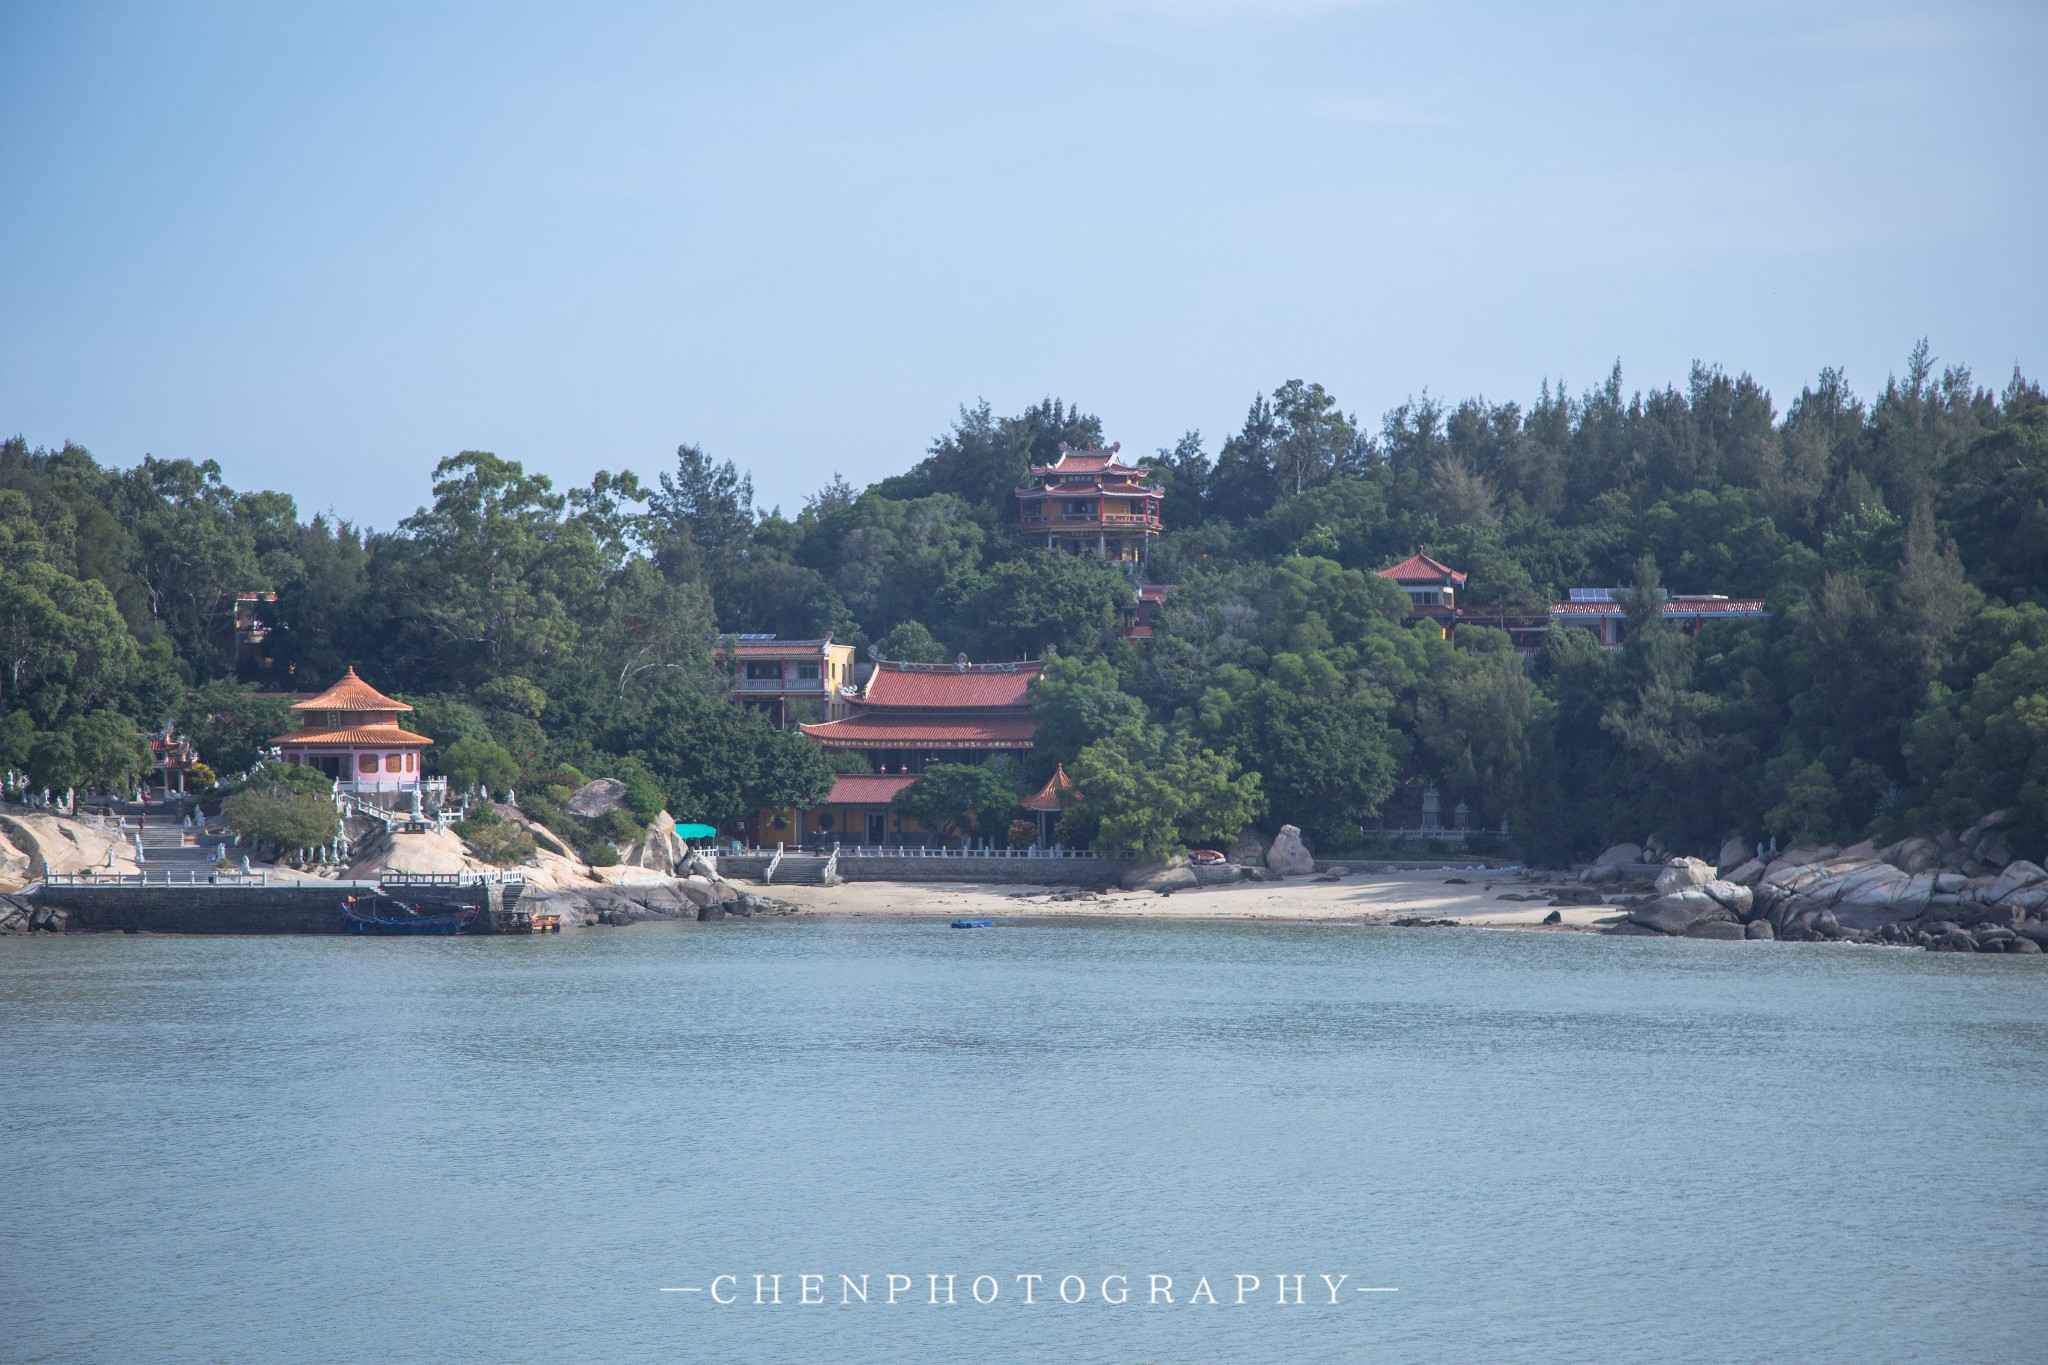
1206	856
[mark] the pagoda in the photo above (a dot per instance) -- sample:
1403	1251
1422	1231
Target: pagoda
1090	502
1051	802
351	733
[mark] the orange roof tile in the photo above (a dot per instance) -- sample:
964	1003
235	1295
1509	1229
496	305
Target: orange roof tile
1420	568
350	694
867	789
882	730
386	736
936	687
1057	794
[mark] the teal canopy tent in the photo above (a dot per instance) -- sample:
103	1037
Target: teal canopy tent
696	832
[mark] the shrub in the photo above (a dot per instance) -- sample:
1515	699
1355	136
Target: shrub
602	855
497	841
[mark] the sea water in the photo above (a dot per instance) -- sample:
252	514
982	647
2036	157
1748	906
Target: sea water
1530	1146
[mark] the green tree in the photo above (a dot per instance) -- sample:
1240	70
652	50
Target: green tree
109	754
1041	600
909	642
1151	793
474	764
286	808
1075	702
233	725
952	798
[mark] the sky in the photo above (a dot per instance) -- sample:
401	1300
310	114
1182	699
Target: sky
330	244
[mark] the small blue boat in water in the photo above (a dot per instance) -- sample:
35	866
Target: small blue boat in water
970	924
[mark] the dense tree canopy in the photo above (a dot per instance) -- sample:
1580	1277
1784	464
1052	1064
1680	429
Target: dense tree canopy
1900	541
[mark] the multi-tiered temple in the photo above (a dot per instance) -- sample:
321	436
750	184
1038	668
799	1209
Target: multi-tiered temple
351	733
1091	502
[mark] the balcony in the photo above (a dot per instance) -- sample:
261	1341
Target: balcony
1065	521
776	686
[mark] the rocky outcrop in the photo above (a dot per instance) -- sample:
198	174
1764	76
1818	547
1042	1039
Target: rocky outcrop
659	848
27	915
593	799
1175	874
1734	853
1288	856
1621	863
1682	874
14	865
58	843
1679	912
1944	894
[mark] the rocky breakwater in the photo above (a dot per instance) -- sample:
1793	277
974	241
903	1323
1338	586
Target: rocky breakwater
1965	893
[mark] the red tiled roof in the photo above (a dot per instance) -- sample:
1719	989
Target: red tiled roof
387	736
1057	794
942	687
1420	568
350	694
1154	592
867	789
872	730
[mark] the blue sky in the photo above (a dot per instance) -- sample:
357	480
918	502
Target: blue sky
329	244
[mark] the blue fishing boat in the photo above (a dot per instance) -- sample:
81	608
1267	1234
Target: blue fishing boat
386	915
970	924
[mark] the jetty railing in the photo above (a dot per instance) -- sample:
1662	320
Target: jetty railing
190	877
451	879
921	851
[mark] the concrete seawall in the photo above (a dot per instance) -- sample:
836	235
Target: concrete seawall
313	908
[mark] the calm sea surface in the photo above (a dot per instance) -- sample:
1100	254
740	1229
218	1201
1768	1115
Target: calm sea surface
1555	1147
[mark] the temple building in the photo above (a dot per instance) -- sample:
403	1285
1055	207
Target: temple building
351	733
1604	611
1432	589
789	681
1091	502
905	717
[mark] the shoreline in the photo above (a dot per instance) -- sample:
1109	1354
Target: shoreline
1464	898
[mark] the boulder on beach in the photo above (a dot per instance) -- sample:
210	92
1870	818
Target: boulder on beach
1734	853
1726	930
1678	911
1682	873
1175	874
1288	856
1248	849
1759	929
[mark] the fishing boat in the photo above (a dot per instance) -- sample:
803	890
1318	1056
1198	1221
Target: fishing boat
970	924
380	914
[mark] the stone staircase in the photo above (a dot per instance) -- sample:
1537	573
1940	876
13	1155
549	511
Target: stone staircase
800	869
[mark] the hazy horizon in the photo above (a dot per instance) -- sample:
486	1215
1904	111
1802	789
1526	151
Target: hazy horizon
330	247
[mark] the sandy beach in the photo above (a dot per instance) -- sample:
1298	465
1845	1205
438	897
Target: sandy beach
1472	897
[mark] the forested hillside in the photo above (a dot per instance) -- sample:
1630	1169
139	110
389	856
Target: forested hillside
1900	682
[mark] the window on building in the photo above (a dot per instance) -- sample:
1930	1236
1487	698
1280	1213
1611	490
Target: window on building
762	669
412	763
1079	507
807	672
393	763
